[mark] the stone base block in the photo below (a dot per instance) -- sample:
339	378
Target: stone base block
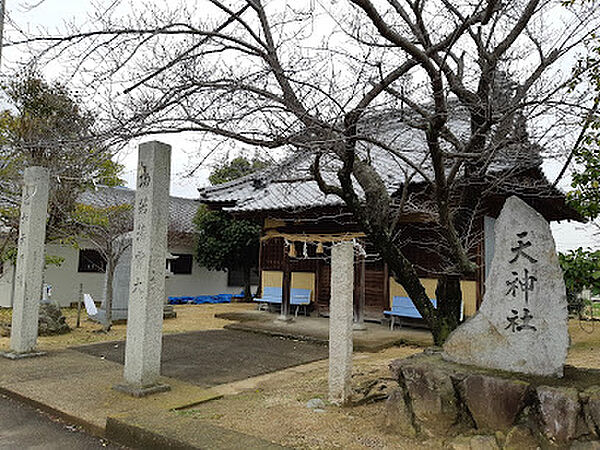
521	437
560	410
359	326
285	319
494	402
398	416
15	355
433	398
141	391
441	398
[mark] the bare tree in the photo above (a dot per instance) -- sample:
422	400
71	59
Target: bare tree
322	79
107	229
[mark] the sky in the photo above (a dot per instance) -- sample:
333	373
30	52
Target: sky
52	15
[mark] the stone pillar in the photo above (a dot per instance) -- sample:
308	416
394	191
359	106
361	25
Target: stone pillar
340	322
147	285
30	263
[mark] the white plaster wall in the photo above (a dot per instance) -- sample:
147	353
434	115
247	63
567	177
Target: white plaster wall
6	285
200	282
65	279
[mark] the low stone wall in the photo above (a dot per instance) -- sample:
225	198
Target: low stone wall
439	398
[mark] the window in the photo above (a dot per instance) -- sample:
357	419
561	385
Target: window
91	261
182	265
235	278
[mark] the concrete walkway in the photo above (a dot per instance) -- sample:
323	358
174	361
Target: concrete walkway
77	388
375	338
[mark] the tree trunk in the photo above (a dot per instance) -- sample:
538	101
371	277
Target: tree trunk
441	320
110	273
247	284
373	217
449	302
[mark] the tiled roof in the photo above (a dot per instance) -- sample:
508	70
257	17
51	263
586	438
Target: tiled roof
181	210
289	185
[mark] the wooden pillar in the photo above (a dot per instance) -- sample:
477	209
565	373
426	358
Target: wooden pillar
386	287
260	266
286	283
359	324
317	281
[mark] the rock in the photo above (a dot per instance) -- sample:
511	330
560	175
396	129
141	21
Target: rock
396	367
51	320
592	410
315	403
560	409
398	417
500	438
585	445
459	443
373	391
5	329
520	437
432	398
484	443
522	323
493	402
473	443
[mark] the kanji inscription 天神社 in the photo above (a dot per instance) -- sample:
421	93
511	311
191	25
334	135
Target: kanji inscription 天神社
518	284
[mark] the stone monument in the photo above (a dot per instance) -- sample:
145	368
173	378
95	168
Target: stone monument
120	286
522	323
340	322
30	263
147	285
120	290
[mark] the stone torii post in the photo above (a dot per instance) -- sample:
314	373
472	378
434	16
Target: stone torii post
147	286
30	264
340	322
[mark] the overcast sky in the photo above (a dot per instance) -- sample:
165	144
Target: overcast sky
52	15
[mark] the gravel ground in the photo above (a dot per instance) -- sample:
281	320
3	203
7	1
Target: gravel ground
277	411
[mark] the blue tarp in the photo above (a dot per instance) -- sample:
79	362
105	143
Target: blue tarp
219	298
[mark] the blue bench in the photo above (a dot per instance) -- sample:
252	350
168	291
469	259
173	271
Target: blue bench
403	307
270	296
300	297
